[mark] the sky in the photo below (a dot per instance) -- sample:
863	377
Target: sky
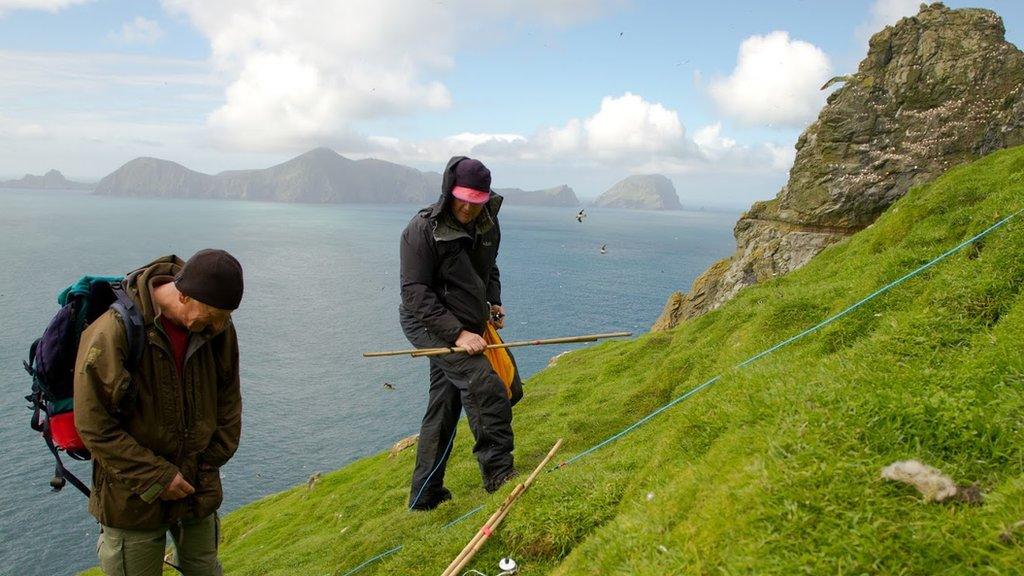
546	92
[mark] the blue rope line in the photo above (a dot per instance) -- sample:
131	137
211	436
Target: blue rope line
444	457
464	516
398	547
792	339
743	364
635	425
372	560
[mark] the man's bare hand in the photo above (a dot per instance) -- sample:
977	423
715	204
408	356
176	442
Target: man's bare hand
177	489
472	343
497	316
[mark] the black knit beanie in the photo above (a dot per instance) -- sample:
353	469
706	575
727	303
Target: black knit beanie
212	277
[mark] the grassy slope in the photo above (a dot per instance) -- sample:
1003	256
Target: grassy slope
774	469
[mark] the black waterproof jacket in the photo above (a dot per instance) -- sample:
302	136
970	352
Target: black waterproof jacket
449	274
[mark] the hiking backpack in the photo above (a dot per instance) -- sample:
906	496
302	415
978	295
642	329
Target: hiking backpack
51	363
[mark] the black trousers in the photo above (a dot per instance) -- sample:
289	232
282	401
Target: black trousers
459	381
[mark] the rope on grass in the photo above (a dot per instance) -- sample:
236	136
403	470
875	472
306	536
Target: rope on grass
464	516
743	364
792	339
372	560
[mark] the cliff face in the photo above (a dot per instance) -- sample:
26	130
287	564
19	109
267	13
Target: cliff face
641	192
935	90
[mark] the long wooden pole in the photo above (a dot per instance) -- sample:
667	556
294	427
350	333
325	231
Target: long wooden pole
480	538
419	352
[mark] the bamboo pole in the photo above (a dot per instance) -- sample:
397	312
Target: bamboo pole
420	352
485	532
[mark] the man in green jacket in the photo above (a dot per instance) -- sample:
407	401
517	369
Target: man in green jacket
159	435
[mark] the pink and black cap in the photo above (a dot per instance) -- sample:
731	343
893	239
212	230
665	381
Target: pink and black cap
472	182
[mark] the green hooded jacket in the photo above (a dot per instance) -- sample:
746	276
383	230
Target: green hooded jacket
144	427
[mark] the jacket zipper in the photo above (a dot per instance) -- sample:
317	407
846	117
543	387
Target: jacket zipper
182	402
188	389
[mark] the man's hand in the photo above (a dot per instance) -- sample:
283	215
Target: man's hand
497	316
177	489
472	343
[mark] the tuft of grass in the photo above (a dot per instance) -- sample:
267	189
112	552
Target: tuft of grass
772	470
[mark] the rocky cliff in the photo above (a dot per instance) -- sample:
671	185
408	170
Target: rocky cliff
641	192
935	90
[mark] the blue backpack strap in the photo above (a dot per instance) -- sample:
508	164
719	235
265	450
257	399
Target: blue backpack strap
134	330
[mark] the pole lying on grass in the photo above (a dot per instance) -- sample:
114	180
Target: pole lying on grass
480	538
420	352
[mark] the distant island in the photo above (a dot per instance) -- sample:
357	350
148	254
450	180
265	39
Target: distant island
641	192
558	196
52	180
322	176
318	176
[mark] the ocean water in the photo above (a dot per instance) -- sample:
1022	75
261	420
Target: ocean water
321	288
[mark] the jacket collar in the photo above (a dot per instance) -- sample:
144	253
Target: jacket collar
446	228
139	283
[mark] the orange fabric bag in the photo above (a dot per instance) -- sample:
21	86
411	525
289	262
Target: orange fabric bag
500	360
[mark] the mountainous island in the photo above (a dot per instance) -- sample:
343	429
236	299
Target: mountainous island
52	180
557	196
320	176
724	444
641	192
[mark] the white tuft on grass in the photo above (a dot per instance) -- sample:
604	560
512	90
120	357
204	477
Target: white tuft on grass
931	483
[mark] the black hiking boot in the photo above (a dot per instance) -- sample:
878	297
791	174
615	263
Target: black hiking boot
492	484
424	504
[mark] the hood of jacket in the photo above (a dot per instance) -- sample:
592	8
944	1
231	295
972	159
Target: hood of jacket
138	283
437	209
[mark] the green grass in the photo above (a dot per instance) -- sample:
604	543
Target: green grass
772	470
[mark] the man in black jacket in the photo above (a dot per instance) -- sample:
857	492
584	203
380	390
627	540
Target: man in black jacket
450	291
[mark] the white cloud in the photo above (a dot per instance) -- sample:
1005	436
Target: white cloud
559	141
622	128
710	140
47	5
782	156
42	74
629	124
56	104
776	82
626	134
12	128
139	31
885	13
302	71
473	139
33	131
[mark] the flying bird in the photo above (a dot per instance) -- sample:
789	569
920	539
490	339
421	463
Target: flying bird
581	216
604	248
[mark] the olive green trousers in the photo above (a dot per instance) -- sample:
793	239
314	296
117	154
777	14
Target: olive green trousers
141	552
